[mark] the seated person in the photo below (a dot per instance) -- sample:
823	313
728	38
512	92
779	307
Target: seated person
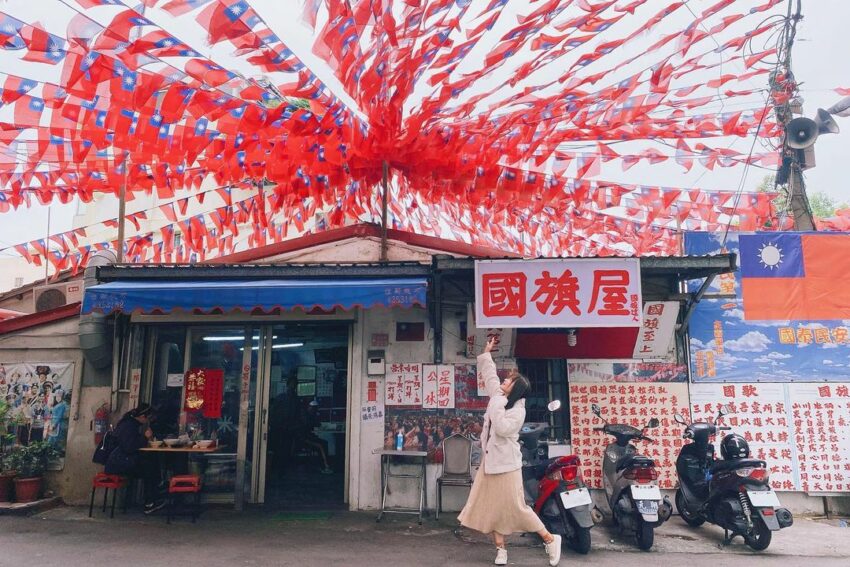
303	435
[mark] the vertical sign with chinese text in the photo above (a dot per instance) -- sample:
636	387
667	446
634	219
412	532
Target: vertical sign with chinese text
655	338
403	385
558	293
821	421
135	387
438	386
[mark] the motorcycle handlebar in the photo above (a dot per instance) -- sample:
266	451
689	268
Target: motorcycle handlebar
599	429
724	428
647	439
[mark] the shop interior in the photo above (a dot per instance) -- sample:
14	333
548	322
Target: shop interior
308	390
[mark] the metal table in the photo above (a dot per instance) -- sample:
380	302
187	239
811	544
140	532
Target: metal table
387	458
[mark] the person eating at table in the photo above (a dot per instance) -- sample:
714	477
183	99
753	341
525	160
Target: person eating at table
133	433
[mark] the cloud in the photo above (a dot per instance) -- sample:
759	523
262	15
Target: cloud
827	362
773	357
734	314
753	341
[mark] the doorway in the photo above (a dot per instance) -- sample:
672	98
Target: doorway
305	396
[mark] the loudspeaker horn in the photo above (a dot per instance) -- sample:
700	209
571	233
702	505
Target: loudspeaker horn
826	123
801	133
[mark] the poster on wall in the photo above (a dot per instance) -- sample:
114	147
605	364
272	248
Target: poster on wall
467	393
760	414
403	384
438	386
40	398
821	421
728	345
632	404
583	292
607	371
425	430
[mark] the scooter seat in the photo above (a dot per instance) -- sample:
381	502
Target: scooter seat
630	461
724	466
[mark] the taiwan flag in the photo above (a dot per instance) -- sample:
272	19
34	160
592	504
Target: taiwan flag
795	276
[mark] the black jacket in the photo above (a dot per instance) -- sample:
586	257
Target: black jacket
123	458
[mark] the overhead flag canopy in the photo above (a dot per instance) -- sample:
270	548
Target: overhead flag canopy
494	119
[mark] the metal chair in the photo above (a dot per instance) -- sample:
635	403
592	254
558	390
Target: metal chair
457	469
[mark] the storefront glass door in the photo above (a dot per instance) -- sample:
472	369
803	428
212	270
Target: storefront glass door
300	436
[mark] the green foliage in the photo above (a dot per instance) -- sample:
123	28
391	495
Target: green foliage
31	460
7	438
823	206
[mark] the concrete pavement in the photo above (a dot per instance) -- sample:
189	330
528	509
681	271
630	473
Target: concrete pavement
66	537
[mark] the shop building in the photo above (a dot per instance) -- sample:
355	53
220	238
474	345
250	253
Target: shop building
321	319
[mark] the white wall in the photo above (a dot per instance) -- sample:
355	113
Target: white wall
14	267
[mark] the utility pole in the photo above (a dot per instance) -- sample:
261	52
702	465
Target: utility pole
122	208
384	203
781	80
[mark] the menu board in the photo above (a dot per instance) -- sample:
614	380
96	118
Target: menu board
632	404
403	386
820	416
760	415
438	386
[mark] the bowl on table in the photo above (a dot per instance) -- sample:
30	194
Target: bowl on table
204	443
173	442
154	443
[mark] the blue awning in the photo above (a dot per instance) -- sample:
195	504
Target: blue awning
217	296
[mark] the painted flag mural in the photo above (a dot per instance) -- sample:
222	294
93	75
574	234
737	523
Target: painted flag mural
795	276
781	317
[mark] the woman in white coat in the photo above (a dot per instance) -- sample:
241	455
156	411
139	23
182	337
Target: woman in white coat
496	503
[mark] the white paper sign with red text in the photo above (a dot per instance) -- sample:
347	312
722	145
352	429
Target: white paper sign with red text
655	339
578	292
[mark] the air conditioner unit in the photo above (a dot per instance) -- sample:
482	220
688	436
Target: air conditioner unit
49	297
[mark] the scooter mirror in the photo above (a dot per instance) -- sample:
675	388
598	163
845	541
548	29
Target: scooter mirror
652	423
595	409
680	419
554	405
724	410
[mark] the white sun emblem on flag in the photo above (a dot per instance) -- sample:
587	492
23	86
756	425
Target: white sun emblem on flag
770	256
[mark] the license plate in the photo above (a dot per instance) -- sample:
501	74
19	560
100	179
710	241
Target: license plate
646	492
647	506
763	498
573	498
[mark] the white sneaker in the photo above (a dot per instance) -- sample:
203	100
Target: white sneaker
501	556
553	550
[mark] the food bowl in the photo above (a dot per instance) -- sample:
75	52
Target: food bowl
204	443
155	444
173	442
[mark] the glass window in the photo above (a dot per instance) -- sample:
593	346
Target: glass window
167	380
548	382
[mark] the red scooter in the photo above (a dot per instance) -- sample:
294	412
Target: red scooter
554	487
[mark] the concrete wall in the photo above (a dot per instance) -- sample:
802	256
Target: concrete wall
59	342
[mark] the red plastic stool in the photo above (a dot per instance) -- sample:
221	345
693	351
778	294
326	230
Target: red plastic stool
108	481
184	484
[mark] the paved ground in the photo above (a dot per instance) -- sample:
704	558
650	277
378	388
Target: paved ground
66	537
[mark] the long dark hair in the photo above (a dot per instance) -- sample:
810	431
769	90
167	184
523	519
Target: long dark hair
520	389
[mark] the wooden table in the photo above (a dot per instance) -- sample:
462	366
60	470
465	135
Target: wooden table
387	457
166	449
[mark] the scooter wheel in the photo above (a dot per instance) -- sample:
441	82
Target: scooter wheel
645	535
760	537
580	542
690	519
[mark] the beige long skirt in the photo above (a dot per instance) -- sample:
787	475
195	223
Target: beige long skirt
496	504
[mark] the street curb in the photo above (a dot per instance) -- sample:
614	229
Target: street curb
29	508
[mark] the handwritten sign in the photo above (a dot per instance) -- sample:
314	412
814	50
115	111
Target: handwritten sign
820	419
135	386
558	293
403	386
655	338
632	404
371	412
213	393
760	414
438	387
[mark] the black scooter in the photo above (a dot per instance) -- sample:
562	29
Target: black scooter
734	494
